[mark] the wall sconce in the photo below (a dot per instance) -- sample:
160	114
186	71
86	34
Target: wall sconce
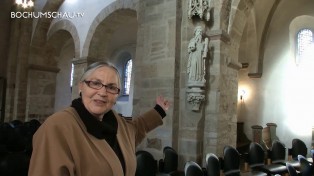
242	94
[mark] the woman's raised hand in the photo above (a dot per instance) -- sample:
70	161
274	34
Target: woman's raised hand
162	102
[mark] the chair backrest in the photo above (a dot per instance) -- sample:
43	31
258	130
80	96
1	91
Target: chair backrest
231	161
14	164
312	154
170	160
146	164
256	155
278	152
298	148
212	165
306	168
191	168
291	170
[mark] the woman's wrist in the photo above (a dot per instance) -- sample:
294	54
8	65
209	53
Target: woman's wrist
160	110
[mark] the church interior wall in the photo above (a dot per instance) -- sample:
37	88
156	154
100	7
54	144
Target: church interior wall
282	95
63	95
156	34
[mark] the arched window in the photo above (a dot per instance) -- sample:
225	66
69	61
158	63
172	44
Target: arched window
304	48
72	74
127	76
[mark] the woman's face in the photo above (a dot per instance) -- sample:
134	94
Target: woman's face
99	102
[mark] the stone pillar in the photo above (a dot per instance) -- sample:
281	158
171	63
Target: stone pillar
273	133
17	68
215	124
257	133
80	65
266	138
156	69
41	91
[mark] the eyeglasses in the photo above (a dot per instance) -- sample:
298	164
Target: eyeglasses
98	85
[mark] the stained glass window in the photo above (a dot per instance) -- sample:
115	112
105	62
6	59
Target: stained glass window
304	45
127	77
72	72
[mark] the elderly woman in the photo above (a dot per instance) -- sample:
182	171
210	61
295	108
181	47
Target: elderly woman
89	138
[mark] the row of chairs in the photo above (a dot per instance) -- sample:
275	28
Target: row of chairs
16	146
229	164
261	162
212	167
147	165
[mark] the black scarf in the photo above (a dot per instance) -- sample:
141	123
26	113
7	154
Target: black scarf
105	129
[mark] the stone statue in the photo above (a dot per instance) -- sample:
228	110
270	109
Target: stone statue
197	50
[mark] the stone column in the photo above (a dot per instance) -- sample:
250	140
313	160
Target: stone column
16	96
215	124
257	133
156	69
220	113
273	133
41	91
80	64
266	138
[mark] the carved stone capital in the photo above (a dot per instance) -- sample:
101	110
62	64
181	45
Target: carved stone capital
195	97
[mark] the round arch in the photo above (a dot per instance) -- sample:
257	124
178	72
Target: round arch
39	37
63	46
106	23
66	25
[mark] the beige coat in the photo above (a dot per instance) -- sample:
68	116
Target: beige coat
63	147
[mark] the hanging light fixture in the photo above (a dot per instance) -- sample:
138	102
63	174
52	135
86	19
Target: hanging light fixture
25	3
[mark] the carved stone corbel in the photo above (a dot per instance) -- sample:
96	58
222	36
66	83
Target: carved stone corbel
195	95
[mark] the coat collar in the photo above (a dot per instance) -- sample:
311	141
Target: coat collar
105	129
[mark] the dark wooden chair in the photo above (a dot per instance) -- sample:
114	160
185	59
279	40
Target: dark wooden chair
231	161
169	164
291	170
191	168
277	155
212	165
256	161
146	164
298	147
306	167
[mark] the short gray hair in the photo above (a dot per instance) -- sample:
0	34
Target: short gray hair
92	67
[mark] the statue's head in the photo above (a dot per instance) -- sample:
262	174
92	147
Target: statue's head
198	30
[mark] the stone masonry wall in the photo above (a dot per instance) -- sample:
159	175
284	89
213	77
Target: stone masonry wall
154	66
42	86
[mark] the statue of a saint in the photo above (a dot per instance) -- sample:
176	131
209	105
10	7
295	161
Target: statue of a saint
197	50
